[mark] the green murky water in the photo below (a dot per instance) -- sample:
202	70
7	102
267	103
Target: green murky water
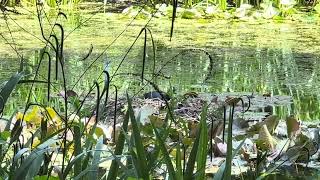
259	57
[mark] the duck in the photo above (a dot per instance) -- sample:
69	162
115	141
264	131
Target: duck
157	95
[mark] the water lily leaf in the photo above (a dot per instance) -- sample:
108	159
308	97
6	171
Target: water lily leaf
210	10
306	142
220	149
191	14
174	152
232	100
99	131
270	11
271	123
317	8
144	112
33	117
156	121
241	123
293	126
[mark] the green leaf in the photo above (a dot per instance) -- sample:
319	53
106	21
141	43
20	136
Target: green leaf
35	166
32	163
4	135
293	126
96	158
167	158
119	149
192	158
20	154
317	8
92	166
179	169
77	148
8	88
45	178
141	165
227	173
203	145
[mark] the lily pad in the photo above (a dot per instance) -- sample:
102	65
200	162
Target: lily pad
191	14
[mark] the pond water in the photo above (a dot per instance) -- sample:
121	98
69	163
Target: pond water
257	57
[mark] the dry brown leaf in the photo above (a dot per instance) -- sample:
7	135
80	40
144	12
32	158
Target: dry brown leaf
293	126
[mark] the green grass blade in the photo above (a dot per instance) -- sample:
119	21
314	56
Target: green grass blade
91	167
7	128
119	148
192	158
74	161
77	149
203	145
96	159
178	163
32	163
143	170
8	88
227	174
167	158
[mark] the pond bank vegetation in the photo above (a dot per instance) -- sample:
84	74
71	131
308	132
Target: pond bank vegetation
61	132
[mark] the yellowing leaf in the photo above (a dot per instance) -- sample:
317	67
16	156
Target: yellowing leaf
99	132
173	153
187	141
34	116
157	121
265	141
54	117
19	116
35	143
212	170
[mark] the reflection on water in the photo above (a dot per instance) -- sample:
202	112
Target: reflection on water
276	71
271	58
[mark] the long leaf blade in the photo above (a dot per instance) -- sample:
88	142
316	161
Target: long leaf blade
166	154
8	88
203	145
141	154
